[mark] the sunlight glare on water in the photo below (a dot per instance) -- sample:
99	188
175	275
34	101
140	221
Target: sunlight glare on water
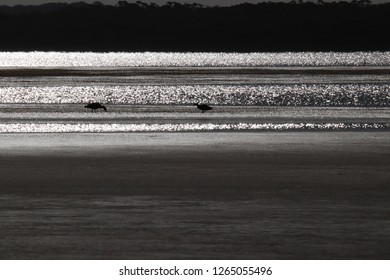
56	128
261	95
41	82
151	59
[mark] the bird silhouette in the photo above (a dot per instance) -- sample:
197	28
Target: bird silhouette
203	107
95	106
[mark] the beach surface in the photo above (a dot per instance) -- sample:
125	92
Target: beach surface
218	195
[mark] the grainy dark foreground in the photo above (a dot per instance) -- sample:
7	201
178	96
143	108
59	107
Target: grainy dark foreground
275	195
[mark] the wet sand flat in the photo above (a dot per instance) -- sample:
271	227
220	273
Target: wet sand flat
221	195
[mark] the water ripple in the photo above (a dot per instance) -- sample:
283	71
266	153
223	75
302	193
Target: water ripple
151	59
96	128
374	95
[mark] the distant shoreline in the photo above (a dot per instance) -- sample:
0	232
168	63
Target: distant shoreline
308	26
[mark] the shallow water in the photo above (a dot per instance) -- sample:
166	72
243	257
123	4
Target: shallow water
115	227
203	195
246	195
149	59
51	118
65	81
374	95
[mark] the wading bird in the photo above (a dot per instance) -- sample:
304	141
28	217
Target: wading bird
95	106
203	107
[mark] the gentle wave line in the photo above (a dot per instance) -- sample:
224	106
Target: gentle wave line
96	128
155	59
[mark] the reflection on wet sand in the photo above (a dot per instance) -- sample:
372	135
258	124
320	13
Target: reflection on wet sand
284	195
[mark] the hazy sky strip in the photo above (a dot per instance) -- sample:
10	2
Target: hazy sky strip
113	2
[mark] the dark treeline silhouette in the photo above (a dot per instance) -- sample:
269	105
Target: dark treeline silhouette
294	26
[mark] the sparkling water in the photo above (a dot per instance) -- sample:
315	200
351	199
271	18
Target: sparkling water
284	80
151	59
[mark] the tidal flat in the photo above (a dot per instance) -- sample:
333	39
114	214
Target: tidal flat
218	195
